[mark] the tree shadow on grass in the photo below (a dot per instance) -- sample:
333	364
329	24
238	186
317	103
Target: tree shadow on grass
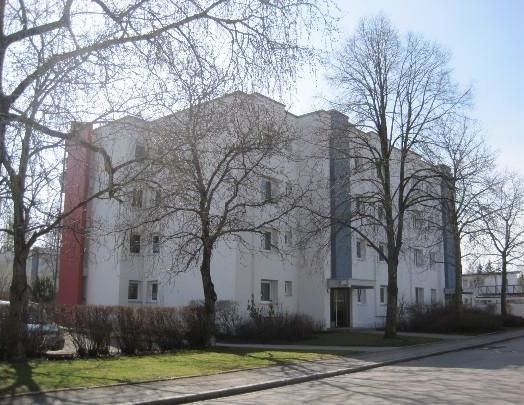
22	373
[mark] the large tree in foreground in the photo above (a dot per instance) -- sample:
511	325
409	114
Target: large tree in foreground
68	60
398	88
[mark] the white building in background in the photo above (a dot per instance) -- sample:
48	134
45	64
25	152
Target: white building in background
340	285
483	290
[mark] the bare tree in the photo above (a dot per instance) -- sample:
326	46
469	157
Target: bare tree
462	160
502	229
64	60
220	175
395	90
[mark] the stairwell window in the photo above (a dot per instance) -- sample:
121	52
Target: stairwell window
418	257
383	249
133	290
383	294
419	296
288	288
137	198
360	249
361	295
156	244
269	190
269	240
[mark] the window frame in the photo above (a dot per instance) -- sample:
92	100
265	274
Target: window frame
288	288
150	285
137	284
419	296
268	283
135	243
383	294
155	246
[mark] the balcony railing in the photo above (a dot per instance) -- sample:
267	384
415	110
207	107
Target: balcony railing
495	290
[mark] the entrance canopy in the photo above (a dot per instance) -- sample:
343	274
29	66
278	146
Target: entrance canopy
350	282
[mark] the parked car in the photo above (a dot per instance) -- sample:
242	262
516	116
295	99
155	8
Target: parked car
43	334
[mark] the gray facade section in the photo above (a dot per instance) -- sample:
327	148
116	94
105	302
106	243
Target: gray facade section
339	166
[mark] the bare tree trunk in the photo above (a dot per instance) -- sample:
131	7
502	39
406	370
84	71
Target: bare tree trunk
504	288
391	312
19	300
457	297
210	296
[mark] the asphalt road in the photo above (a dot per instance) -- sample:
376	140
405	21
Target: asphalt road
489	375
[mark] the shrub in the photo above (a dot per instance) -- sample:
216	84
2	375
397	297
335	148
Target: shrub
446	319
196	331
166	328
228	318
90	328
43	290
513	321
270	324
130	330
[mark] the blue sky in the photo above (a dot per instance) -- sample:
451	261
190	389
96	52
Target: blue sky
486	41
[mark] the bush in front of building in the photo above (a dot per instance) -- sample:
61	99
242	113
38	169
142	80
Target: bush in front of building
268	323
513	321
446	319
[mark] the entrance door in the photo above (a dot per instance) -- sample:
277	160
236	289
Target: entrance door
340	301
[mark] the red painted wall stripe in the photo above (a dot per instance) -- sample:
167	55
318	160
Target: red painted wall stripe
76	188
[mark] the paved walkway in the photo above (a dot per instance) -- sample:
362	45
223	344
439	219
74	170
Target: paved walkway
206	387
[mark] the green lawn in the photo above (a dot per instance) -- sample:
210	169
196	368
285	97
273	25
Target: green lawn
353	338
40	375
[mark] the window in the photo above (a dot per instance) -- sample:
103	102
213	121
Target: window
288	238
268	291
383	249
361	249
133	290
358	162
433	296
417	221
383	294
152	291
419	296
361	295
156	244
140	151
134	243
288	288
269	239
137	198
418	257
358	205
269	190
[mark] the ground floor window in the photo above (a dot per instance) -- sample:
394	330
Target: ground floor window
419	296
288	288
268	291
152	291
133	290
433	296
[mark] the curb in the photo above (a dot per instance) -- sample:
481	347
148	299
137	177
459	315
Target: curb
244	389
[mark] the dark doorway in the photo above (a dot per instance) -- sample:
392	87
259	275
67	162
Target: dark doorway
340	307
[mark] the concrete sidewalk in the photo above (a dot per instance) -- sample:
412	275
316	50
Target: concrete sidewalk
206	387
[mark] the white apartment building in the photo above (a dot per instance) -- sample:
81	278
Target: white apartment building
336	278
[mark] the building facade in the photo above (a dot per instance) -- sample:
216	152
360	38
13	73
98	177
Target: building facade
336	276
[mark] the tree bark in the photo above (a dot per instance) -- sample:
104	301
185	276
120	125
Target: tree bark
19	300
210	296
504	288
391	312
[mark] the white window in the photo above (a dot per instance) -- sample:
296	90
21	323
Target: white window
269	239
134	243
383	294
288	238
418	257
269	190
417	221
137	198
133	290
360	249
152	291
433	296
361	295
288	288
383	249
156	244
268	291
140	151
419	295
